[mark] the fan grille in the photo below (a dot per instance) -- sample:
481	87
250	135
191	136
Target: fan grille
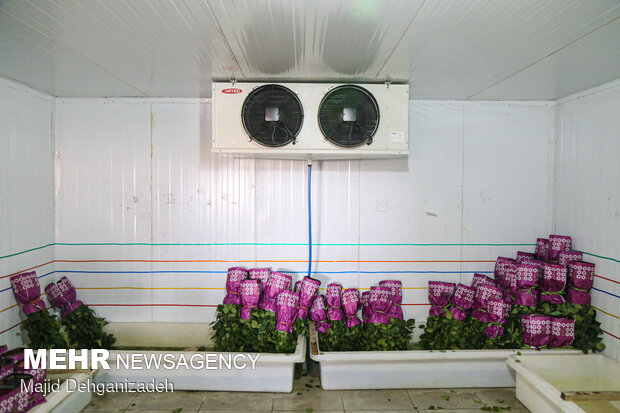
272	115
349	116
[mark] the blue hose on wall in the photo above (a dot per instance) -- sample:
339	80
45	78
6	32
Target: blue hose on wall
308	360
309	218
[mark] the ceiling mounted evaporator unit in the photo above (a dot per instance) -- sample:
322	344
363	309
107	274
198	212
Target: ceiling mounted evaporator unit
310	120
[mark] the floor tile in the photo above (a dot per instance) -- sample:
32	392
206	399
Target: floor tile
445	398
499	397
162	411
377	411
377	400
452	411
243	401
232	411
306	382
168	401
315	399
111	401
103	410
304	411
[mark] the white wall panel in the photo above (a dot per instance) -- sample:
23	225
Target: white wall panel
506	179
587	196
26	196
372	220
103	195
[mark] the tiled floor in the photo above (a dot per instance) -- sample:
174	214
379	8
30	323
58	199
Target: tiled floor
308	396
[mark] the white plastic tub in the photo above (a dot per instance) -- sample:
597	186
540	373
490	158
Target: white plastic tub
414	368
541	379
273	372
66	399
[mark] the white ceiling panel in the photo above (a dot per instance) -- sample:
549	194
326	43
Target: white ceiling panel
312	40
456	50
162	48
45	65
474	49
590	61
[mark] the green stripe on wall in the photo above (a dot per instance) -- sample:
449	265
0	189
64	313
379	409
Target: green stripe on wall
146	244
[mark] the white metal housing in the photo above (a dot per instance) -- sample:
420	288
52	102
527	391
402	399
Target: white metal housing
390	140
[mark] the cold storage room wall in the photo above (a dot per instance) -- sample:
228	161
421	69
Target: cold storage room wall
587	196
148	220
26	196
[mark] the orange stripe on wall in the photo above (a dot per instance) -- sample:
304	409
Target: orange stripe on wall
278	261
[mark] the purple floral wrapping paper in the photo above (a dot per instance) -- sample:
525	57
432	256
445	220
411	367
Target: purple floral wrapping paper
542	248
497	312
439	295
319	313
350	304
396	297
261	274
55	297
38	375
580	280
16	355
501	271
553	283
540	263
525	292
536	330
462	300
68	292
277	283
366	311
379	300
484	293
250	296
6	368
334	311
480	279
521	255
233	280
308	291
562	332
16	400
567	256
511	275
297	287
557	244
28	291
287	305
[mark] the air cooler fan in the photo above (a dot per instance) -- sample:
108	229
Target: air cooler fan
349	116
272	115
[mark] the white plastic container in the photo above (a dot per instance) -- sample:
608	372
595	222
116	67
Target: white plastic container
66	399
272	373
541	379
415	368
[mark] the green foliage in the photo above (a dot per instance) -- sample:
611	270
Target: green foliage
85	329
370	337
44	331
388	337
258	334
340	338
450	334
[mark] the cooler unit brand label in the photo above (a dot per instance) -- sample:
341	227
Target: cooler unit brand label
231	91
